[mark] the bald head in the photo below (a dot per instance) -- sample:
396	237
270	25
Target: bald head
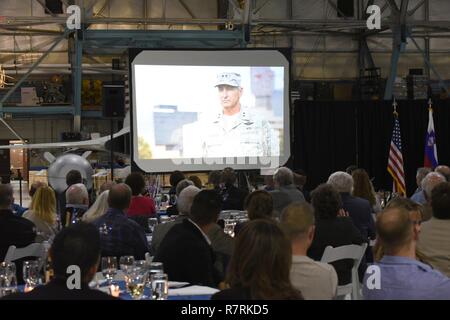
444	170
77	194
395	229
119	196
430	181
6	196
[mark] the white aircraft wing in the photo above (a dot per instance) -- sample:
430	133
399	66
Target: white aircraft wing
86	143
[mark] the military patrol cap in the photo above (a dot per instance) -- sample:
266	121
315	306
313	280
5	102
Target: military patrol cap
228	78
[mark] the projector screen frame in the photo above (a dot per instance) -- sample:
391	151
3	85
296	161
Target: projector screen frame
162	165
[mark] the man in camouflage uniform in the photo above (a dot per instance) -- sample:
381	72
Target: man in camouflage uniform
235	131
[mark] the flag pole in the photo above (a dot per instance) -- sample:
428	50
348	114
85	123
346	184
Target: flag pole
394	105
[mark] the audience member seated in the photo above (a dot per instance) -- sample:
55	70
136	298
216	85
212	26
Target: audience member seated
77	245
419	195
300	179
186	250
98	209
173	209
444	170
184	203
106	186
221	243
72	177
269	183
196	180
400	275
77	203
415	214
359	210
43	214
233	197
259	205
119	235
333	228
141	207
363	188
214	180
316	280
430	181
174	179
14	230
434	241
285	191
259	267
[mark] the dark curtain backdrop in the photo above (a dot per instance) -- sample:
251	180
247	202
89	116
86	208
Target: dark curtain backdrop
329	136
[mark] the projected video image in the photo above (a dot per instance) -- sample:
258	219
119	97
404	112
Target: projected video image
208	111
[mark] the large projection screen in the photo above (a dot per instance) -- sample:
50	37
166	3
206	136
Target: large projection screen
207	110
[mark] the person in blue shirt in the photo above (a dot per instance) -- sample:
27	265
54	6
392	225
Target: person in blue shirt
419	195
399	275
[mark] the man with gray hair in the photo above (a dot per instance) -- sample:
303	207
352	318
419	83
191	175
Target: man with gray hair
444	170
419	195
184	203
285	191
430	181
77	203
173	210
359	209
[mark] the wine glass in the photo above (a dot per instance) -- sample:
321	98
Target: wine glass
109	268
30	274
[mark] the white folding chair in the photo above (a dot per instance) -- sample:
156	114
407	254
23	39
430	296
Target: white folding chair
38	250
353	252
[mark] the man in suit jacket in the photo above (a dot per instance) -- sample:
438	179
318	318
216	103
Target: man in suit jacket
79	245
14	230
186	250
359	210
285	191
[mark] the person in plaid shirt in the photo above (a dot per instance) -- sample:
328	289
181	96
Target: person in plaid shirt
119	235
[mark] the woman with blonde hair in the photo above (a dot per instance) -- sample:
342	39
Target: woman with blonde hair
42	213
98	208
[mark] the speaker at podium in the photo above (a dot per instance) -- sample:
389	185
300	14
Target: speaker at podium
113	100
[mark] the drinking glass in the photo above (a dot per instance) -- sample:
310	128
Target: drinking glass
136	282
154	268
109	268
229	227
125	262
152	222
8	279
160	286
30	274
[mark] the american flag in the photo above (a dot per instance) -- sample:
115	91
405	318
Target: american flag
395	162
